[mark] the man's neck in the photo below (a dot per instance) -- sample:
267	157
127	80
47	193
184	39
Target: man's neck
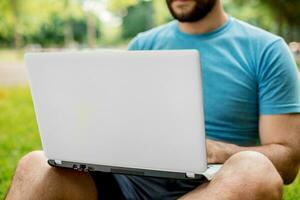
216	18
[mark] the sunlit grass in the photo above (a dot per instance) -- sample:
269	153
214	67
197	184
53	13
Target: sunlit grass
18	131
10	55
19	135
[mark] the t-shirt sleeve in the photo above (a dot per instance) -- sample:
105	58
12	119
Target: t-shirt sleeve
134	44
278	81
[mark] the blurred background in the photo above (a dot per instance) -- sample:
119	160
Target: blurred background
52	25
60	25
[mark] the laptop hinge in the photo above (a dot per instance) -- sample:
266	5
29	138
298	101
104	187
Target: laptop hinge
190	175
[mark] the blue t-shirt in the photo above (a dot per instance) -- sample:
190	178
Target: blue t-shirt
246	72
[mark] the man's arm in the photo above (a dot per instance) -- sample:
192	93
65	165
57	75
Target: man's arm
280	142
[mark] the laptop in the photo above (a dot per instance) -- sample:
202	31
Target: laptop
125	112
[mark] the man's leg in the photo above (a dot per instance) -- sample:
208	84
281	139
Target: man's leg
246	175
34	179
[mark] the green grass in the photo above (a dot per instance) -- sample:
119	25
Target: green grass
18	131
19	135
10	55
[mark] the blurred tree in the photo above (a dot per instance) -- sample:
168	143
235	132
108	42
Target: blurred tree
10	26
6	24
91	30
37	20
15	14
52	33
287	13
49	33
68	29
19	18
251	11
118	6
161	12
137	20
60	22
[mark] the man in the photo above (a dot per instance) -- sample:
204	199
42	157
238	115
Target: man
251	103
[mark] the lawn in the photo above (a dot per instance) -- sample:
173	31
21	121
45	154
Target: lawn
19	134
18	131
10	55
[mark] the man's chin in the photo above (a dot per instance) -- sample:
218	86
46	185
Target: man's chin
185	17
190	10
182	14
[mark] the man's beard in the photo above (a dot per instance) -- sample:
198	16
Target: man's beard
200	11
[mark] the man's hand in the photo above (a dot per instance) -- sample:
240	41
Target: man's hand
219	152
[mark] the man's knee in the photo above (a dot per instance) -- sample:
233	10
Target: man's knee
30	160
253	174
28	165
34	172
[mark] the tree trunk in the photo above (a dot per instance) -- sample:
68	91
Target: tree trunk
91	30
68	29
68	32
17	33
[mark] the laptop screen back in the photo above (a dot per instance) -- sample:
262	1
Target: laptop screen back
136	109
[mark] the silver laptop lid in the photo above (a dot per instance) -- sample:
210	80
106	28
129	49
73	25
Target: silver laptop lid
131	109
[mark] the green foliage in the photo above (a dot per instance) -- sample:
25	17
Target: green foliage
58	22
251	11
30	15
52	32
161	12
49	33
120	5
279	16
287	14
288	9
42	21
18	131
137	20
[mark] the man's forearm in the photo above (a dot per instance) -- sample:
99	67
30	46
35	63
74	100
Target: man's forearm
281	156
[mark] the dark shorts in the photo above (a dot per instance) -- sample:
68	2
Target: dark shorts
113	186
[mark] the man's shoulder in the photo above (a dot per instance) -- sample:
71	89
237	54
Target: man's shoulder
147	39
254	34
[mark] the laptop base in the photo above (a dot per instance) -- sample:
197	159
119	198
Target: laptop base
85	167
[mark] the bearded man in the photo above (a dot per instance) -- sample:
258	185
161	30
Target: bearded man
251	96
